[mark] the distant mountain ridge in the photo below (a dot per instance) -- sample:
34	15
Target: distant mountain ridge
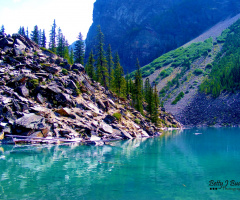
147	29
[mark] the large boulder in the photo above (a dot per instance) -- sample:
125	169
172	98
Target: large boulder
79	67
19	47
23	91
31	121
63	99
6	42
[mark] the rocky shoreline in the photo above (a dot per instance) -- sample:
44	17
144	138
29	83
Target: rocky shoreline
43	98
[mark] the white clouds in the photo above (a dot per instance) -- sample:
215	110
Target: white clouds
73	16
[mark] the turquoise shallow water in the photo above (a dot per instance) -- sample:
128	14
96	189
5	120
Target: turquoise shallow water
178	165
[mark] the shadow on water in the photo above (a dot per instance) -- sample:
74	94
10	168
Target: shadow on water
176	165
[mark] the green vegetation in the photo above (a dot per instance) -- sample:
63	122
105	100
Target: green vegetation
225	74
44	49
197	72
178	57
164	73
34	82
137	121
178	98
117	116
65	72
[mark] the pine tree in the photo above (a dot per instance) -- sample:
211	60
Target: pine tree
21	31
119	80
90	66
71	61
79	50
128	85
60	43
66	50
27	33
137	90
148	95
35	35
101	72
43	39
39	37
155	115
2	29
52	41
110	64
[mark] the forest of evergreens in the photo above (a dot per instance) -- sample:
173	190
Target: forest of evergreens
225	74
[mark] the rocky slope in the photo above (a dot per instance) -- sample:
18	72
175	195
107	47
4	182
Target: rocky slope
44	99
174	76
146	29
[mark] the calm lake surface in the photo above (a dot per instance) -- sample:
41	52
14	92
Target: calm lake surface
177	165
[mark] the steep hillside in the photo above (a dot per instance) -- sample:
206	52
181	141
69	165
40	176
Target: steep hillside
213	65
46	100
146	29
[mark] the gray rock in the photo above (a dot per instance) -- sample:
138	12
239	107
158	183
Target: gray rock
23	91
54	89
5	42
109	119
106	128
63	99
31	121
125	134
79	67
40	98
52	70
72	85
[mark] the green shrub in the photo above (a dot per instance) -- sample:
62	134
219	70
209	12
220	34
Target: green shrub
137	121
35	82
65	72
44	49
75	70
178	98
117	116
209	66
197	72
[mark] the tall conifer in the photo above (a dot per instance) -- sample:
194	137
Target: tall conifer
52	41
79	50
101	72
35	35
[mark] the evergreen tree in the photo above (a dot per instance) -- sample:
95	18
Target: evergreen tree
35	35
137	97
39	37
43	39
71	61
90	66
128	85
27	33
60	43
119	80
155	112
21	31
110	64
79	50
66	50
52	41
101	72
148	95
2	29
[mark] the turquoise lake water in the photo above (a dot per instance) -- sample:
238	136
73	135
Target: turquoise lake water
177	165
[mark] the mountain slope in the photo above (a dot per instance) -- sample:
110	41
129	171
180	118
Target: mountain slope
43	99
179	74
146	29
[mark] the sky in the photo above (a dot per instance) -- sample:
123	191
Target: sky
72	16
